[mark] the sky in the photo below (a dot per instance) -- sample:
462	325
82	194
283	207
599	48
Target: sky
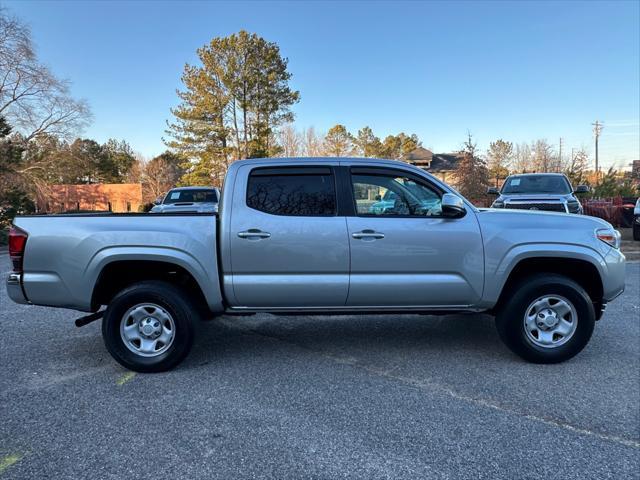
513	70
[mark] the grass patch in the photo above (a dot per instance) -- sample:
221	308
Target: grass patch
6	462
125	378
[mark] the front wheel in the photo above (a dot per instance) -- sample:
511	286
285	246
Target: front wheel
149	326
546	319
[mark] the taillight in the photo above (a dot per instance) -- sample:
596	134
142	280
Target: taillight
17	242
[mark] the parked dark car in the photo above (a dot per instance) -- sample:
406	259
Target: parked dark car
636	221
539	191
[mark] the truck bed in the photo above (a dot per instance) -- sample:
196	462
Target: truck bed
65	253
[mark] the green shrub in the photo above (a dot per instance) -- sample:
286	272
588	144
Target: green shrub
14	201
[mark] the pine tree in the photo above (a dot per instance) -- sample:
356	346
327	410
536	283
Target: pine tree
367	144
231	107
500	154
472	175
338	142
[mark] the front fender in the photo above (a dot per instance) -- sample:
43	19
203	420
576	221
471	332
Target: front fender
498	270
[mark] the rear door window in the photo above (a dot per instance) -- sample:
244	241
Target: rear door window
305	191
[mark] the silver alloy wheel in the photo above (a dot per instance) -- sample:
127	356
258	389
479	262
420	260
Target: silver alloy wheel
550	321
147	329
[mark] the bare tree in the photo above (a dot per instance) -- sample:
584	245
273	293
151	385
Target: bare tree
313	144
32	99
160	174
578	167
522	159
543	156
290	141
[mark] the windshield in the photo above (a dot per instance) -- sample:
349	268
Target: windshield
191	196
536	184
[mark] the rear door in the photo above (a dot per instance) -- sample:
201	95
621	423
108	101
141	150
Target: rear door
289	246
404	252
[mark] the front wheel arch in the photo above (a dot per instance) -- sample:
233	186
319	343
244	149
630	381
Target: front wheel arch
583	272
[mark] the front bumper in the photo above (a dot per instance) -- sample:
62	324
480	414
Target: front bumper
613	282
15	290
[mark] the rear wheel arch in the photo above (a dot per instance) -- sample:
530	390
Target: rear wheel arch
117	275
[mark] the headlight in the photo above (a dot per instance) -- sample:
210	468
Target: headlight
574	207
497	204
610	236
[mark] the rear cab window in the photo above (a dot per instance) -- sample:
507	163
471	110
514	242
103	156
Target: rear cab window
293	191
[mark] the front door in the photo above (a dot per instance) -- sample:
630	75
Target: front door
403	251
289	247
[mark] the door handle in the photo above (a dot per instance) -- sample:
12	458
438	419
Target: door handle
254	234
367	235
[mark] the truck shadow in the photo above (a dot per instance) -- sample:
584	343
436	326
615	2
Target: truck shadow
442	338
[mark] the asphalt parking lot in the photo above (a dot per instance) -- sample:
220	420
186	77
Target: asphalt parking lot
311	397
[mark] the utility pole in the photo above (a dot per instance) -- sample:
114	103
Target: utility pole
597	129
560	156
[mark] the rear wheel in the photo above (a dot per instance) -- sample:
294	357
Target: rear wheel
546	319
149	326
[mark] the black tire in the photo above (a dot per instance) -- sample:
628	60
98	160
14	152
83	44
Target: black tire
510	317
173	301
636	231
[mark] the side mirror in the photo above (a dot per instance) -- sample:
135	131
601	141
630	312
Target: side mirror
157	201
378	198
493	191
582	189
453	206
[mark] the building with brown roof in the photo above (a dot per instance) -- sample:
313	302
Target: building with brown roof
442	165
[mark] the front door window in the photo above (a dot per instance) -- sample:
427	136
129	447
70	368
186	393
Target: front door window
394	195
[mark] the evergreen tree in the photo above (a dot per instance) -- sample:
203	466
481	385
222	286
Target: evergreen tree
14	199
231	107
500	155
472	175
367	144
338	142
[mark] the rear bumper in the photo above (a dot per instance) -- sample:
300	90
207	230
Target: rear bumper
14	288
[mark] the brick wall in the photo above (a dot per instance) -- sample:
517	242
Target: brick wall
123	197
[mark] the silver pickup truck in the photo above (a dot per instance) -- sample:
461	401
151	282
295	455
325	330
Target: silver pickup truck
301	236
